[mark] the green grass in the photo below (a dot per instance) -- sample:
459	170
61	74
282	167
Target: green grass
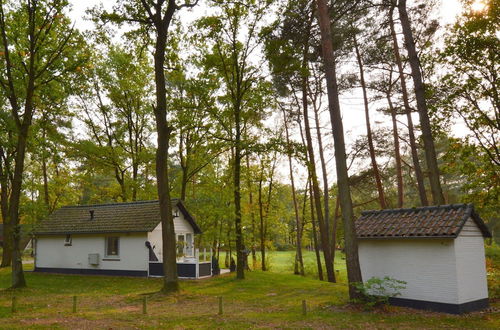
283	262
264	299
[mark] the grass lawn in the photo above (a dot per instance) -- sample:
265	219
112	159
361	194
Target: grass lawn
264	299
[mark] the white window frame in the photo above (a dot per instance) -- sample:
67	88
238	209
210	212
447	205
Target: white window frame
112	256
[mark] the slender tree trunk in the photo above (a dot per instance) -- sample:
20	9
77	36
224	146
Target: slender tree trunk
325	239
371	148
315	237
170	280
334	229
326	187
7	228
46	197
183	184
419	176
184	166
430	151
252	213
135	172
261	229
18	280
240	258
397	154
299	260
7	244
4	209
121	181
351	244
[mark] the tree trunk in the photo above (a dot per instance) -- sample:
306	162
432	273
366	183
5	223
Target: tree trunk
351	244
261	229
315	237
240	258
397	154
183	184
46	197
325	239
4	209
413	144
326	187
184	166
120	178
334	229
170	280
135	172
18	280
430	152
371	148
299	260
252	213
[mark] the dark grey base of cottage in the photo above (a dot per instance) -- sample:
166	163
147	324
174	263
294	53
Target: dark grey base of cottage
184	270
441	307
155	269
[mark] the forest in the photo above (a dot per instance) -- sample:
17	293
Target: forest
239	108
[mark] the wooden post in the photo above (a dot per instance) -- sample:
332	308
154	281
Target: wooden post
74	304
220	306
304	308
14	304
144	305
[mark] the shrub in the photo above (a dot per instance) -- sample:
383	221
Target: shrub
377	291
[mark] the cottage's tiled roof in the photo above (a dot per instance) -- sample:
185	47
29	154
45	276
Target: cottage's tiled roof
420	222
141	216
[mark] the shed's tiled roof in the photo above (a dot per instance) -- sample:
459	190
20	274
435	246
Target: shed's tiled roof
419	222
141	216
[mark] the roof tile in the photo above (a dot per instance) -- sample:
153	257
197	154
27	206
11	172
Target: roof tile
141	216
428	221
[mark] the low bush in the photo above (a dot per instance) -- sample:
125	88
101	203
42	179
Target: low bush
377	291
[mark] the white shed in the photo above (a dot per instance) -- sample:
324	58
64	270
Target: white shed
438	251
115	239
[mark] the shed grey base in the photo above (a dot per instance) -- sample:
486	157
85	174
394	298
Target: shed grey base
470	306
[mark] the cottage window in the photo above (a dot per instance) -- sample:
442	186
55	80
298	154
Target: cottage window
112	247
68	240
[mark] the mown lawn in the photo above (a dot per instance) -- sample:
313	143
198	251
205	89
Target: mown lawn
264	299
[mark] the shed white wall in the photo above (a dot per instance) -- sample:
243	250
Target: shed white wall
51	252
181	226
439	270
471	264
427	265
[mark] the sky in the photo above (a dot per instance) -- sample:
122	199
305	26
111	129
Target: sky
351	103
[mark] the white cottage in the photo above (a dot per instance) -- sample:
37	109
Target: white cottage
437	250
115	239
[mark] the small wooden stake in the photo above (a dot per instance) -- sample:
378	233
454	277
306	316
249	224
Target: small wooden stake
14	304
144	305
304	307
220	306
74	304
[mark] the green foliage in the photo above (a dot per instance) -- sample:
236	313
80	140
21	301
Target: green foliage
468	90
470	170
377	291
